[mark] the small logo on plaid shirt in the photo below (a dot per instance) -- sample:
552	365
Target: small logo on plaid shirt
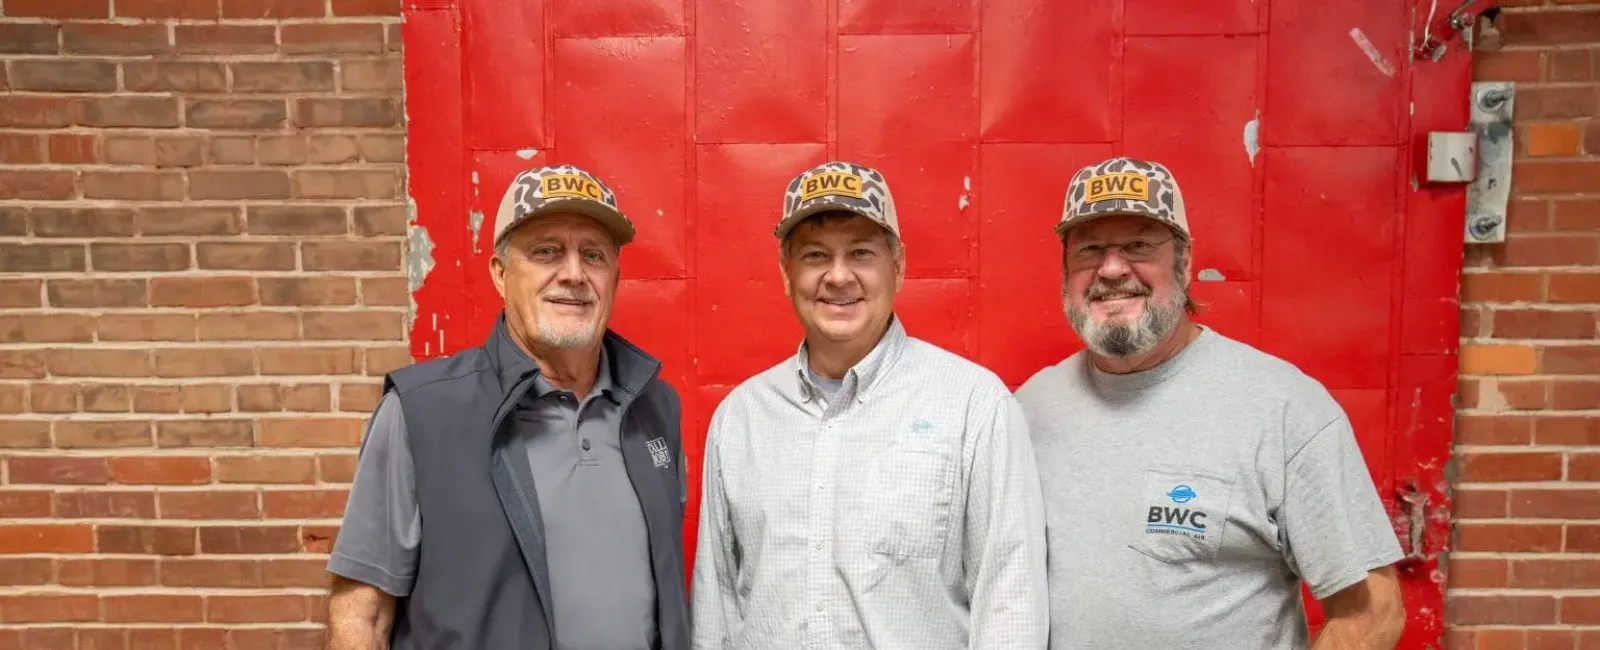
919	426
658	452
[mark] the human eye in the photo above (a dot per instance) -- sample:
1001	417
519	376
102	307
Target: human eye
1088	252
1139	248
544	252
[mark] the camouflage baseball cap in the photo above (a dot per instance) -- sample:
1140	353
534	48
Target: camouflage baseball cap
1124	186
562	188
840	186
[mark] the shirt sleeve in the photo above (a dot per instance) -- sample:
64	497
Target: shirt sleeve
1333	525
377	543
1005	536
714	606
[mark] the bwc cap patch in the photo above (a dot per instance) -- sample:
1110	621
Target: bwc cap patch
561	188
841	186
1124	186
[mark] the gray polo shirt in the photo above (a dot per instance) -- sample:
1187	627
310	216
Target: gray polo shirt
596	542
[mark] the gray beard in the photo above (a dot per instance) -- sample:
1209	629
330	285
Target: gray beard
1125	339
566	336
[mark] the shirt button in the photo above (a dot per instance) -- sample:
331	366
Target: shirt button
586	444
820	607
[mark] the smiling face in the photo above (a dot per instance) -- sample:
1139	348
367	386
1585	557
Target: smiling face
842	275
558	276
1122	286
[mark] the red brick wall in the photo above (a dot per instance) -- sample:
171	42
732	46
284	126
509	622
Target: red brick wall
201	230
1525	572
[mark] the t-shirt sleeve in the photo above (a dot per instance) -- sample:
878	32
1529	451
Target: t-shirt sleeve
1334	526
377	543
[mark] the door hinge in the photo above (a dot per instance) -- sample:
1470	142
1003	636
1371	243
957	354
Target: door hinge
1481	158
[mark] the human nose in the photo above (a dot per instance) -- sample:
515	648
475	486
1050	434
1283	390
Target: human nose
1112	263
838	272
571	268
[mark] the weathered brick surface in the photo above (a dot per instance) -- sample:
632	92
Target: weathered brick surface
201	232
1526	555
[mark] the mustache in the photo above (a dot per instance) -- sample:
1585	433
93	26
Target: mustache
580	295
1129	286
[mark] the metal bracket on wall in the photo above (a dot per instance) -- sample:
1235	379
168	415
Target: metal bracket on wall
1489	195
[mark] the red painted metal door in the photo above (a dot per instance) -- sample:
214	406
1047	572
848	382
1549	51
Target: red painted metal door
1296	128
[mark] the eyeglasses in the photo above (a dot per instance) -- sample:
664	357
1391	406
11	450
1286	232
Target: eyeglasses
1136	250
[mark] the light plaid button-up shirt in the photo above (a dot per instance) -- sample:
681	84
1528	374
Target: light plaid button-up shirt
904	512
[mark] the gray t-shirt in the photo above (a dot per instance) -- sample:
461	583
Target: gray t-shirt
596	540
1186	503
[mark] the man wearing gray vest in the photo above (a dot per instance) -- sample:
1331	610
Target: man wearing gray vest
1192	482
872	490
527	493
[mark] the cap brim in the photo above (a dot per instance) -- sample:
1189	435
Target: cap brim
792	220
605	214
1062	227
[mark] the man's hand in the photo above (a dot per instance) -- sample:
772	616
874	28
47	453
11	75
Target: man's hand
1367	615
359	616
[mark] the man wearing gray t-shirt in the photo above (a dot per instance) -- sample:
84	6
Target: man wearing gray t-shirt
1192	483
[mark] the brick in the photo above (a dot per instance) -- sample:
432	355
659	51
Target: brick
236	113
205	433
174	76
182	399
1579	215
29	38
22	364
333	149
354	325
257	609
1497	360
381	361
98	362
106	398
1549	27
133	186
274	9
1500	610
145	327
147	608
311	432
146	540
249	326
233	540
190	9
26	571
267	469
1555	574
303	504
105	505
1557	101
178	152
374	221
328	38
307	291
189	221
1508	65
363	112
52	398
275	256
310	360
69	76
1544	324
1479	467
1580	610
1575	287
81	294
24	503
294	573
383	148
1478	503
283	77
37	112
81	222
140	257
1574	394
1477	573
225	39
281	149
1583	538
21	294
385	292
48	608
133	112
336	468
107	573
56	9
38	184
1553	138
1583	466
57	470
370	75
46	328
114	39
1570	65
202	292
20	148
210	572
232	504
1554	503
1556	177
1571	359
161	470
296	220
351	256
107	434
240	150
238	185
72	148
45	538
13	398
200	362
366	7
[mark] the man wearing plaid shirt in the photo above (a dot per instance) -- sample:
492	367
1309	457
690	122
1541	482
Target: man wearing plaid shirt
872	491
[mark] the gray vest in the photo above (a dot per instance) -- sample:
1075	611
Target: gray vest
482	579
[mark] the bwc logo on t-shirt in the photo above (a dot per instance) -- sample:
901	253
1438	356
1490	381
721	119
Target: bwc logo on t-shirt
1184	518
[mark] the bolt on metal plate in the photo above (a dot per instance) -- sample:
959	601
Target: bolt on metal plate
1489	194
